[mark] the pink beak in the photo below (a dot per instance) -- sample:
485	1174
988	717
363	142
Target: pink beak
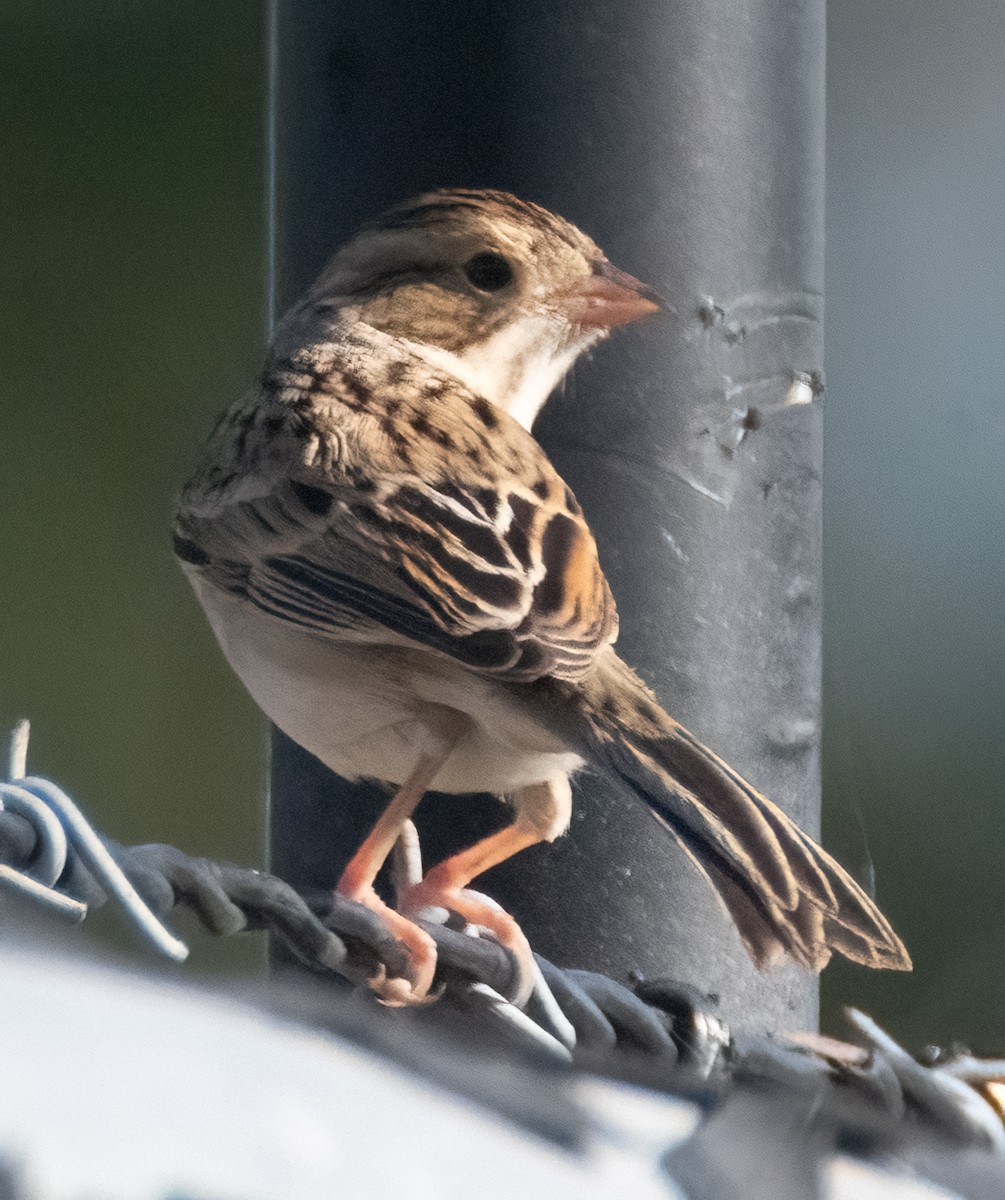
609	297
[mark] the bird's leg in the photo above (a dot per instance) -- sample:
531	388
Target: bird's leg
542	814
358	878
445	886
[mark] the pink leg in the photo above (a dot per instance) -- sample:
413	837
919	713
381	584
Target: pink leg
543	811
445	886
358	878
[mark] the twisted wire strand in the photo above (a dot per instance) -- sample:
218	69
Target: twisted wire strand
45	839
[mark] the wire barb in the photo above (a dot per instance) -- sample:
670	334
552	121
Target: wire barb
50	844
17	755
59	825
571	1014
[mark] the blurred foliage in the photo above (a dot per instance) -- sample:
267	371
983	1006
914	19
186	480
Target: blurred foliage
132	309
914	573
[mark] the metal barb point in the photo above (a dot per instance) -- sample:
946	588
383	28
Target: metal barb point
17	754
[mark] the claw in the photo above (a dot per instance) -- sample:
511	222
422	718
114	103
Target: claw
401	993
482	911
396	991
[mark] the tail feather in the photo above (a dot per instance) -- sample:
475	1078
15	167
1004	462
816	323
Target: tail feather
706	816
802	855
786	895
857	912
768	933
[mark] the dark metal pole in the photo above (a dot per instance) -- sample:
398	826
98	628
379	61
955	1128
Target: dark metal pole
687	139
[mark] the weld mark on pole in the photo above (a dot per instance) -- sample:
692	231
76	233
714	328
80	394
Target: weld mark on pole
749	314
700	488
671	541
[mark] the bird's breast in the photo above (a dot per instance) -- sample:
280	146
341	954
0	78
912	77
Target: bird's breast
369	709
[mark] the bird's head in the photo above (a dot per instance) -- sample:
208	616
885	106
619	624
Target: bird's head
500	292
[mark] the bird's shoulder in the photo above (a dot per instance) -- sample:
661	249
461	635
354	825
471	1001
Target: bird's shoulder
349	453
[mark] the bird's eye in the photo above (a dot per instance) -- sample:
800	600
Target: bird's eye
488	272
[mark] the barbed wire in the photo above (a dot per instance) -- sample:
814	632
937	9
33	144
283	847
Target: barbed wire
52	857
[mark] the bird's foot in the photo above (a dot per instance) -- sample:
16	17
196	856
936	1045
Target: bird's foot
395	991
433	893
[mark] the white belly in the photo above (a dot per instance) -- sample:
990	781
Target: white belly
370	711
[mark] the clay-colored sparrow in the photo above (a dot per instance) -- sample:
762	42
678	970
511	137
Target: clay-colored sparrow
410	591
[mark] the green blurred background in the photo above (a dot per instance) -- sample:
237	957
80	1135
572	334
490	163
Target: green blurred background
133	239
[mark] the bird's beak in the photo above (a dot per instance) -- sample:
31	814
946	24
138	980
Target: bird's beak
609	297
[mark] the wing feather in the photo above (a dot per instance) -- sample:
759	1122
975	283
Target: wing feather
424	514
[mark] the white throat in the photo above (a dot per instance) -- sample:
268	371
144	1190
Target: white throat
516	369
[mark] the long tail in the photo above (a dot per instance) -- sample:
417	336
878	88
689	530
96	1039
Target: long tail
785	893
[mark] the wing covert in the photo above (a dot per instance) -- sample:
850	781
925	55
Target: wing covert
442	523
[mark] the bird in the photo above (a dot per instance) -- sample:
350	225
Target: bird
410	591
